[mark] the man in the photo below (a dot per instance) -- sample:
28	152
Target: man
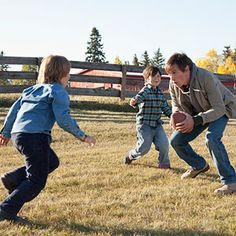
208	104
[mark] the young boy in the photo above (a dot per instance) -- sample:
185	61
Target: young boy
28	124
152	104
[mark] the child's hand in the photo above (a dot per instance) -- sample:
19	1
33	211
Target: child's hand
90	140
133	102
3	140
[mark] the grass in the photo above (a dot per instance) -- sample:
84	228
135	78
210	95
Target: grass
94	193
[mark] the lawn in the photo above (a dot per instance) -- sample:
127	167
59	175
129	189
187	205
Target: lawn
94	193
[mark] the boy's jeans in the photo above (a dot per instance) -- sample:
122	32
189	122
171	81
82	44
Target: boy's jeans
180	142
147	135
40	160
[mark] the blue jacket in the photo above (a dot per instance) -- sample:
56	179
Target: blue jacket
37	110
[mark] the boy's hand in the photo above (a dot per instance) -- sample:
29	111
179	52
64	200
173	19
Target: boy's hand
3	140
133	102
90	140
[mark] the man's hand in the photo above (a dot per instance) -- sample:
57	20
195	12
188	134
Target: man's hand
3	140
186	126
133	102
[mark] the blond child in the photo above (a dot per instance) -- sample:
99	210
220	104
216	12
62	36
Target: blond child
28	124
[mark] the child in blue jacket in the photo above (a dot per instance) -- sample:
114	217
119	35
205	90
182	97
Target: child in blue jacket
29	123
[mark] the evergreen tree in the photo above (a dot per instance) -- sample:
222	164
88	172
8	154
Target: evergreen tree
95	48
3	67
145	59
158	59
227	52
135	60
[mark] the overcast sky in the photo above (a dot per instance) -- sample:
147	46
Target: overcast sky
63	27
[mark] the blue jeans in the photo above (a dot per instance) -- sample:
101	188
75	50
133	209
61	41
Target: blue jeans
147	135
180	142
40	160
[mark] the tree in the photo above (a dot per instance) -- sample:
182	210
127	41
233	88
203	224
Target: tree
228	68
118	60
135	60
145	59
3	67
211	62
158	59
227	52
95	48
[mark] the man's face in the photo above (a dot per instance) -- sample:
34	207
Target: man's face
180	78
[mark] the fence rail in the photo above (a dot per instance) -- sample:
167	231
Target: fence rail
120	83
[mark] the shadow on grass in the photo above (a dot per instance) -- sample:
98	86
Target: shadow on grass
207	175
74	227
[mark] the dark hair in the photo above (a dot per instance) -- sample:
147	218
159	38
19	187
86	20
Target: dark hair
179	59
150	70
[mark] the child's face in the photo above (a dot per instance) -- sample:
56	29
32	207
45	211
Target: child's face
155	80
65	79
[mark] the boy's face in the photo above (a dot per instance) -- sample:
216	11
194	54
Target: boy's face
155	80
65	79
180	78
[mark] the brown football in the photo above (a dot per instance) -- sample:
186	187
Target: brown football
178	117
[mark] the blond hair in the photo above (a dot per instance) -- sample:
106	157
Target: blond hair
53	69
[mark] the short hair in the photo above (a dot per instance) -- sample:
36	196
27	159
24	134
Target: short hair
150	70
179	59
52	69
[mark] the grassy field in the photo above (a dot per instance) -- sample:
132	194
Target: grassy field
94	193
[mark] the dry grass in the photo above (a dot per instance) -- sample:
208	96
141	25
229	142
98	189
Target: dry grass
94	193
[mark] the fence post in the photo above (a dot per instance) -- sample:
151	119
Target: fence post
123	82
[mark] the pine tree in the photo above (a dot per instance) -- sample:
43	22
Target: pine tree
95	48
3	67
145	59
158	59
227	52
135	60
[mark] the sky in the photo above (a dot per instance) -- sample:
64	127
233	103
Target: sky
127	27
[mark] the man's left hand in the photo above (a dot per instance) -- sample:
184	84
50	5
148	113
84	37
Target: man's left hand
186	126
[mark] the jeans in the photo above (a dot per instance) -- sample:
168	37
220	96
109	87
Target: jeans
147	135
180	142
29	180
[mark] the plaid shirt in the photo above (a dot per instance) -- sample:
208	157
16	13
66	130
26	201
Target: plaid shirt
152	103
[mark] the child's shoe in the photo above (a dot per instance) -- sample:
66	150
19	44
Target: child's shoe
164	166
8	183
127	160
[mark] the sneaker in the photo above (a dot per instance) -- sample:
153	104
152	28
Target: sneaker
192	173
163	166
6	216
8	183
127	160
226	189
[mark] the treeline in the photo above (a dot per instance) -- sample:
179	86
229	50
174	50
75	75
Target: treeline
224	63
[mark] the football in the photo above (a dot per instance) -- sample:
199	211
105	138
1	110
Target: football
178	117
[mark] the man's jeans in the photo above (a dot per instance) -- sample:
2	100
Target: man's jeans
40	160
147	135
180	142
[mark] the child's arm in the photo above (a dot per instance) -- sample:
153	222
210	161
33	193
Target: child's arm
139	98
3	140
133	102
61	109
9	121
